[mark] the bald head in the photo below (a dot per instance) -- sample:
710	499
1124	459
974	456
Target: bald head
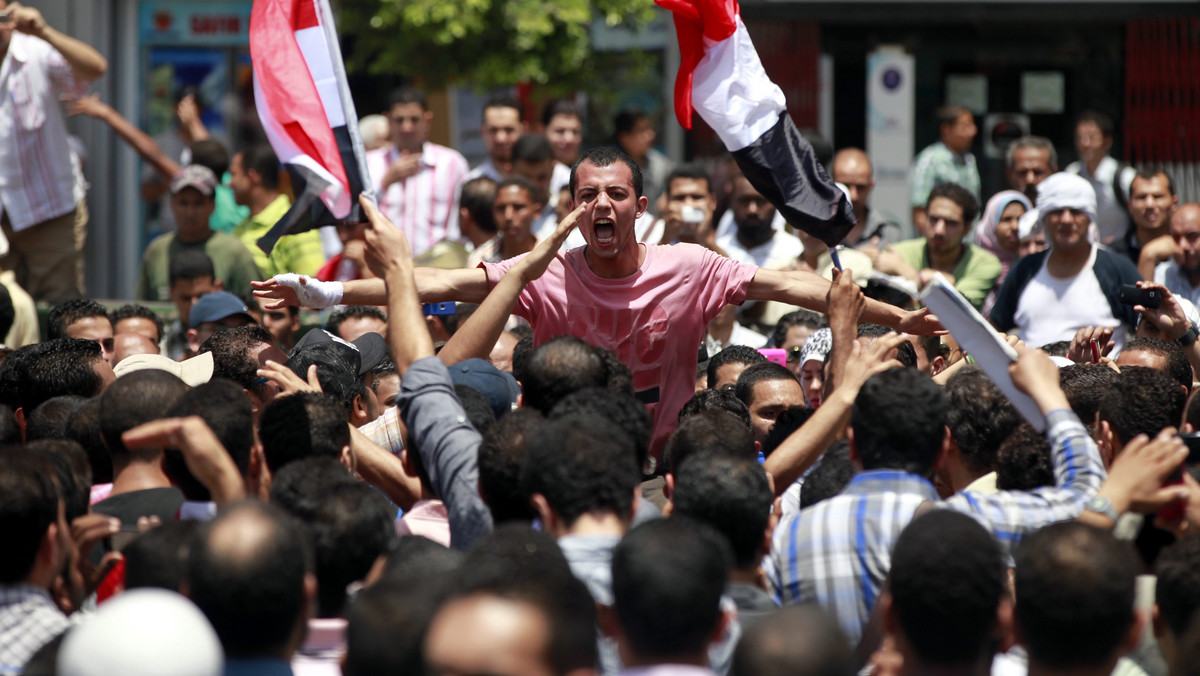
252	551
1185	230
796	640
129	344
852	168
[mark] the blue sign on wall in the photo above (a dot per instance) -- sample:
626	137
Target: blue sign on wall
207	23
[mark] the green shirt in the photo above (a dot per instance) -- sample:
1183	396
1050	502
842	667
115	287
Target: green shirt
300	253
228	212
938	164
974	276
232	263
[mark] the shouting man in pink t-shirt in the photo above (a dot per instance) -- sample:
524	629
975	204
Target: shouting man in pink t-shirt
649	304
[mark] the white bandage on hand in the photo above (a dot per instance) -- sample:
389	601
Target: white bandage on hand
311	292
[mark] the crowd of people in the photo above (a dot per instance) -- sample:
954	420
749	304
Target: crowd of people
580	411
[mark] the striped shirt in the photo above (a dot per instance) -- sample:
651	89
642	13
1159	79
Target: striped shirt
28	621
40	177
838	552
424	205
938	164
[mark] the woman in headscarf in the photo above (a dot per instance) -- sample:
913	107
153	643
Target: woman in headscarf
812	364
997	232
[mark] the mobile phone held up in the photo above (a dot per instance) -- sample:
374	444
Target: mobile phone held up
1131	294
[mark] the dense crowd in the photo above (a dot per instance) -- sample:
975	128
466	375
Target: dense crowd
582	411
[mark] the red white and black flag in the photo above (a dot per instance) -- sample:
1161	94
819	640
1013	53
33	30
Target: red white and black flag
721	78
306	111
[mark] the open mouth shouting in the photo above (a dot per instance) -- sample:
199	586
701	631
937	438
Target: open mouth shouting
605	231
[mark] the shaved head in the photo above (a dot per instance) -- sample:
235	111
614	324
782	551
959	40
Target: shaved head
129	344
852	168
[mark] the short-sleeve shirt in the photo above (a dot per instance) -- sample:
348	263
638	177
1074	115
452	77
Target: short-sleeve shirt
974	275
938	164
654	320
233	264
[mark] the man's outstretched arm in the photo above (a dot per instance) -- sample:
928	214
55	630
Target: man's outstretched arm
432	285
809	290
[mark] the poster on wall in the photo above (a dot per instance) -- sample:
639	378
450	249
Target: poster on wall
890	113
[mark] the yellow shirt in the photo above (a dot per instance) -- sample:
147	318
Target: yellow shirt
300	253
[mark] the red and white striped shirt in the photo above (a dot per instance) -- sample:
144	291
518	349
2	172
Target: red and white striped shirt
424	205
40	177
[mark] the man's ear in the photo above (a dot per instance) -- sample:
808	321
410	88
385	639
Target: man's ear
1005	639
853	448
358	411
944	453
19	414
219	284
606	618
642	204
937	365
192	342
346	457
1134	637
727	619
1157	622
887	610
548	517
668	486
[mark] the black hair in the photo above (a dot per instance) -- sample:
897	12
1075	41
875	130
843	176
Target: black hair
932	346
226	410
500	456
807	318
504	101
64	315
980	418
190	264
211	154
718	400
623	411
688	171
899	421
582	465
74	475
667	579
131	310
351	528
300	486
532	148
947	578
476	406
1174	359
158	558
1023	462
603	156
709	431
1034	143
55	368
10	431
1177	591
949	114
344	312
524	565
1142	401
1104	122
418	560
534	193
29	506
556	107
476	197
337	371
758	373
734	354
232	352
1075	589
84	428
386	625
799	639
405	95
627	119
559	367
830	476
49	420
261	160
135	399
1152	173
788	421
252	594
302	425
522	351
730	494
1085	385
620	378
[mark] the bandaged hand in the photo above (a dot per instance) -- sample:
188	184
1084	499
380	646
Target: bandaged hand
311	292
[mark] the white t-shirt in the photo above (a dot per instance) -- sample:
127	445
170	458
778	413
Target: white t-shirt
777	253
1052	309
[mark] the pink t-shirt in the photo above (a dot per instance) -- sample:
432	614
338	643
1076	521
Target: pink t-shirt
654	320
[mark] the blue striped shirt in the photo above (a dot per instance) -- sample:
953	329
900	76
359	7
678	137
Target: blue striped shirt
837	553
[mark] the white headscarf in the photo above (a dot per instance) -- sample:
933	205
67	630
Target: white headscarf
1066	191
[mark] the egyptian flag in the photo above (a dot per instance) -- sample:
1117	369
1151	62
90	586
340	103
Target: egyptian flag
721	76
306	111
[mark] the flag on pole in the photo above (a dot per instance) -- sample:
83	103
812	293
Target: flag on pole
721	78
304	104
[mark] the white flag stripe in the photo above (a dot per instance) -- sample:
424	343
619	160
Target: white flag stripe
325	16
336	198
316	55
732	92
